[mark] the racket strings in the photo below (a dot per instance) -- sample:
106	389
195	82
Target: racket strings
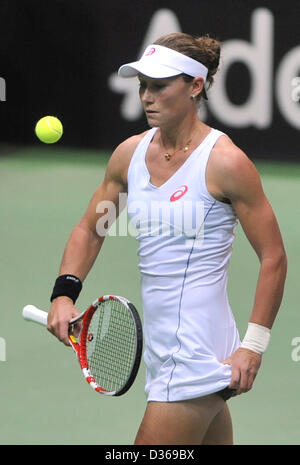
111	345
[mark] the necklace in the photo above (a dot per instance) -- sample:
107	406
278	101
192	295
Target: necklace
184	148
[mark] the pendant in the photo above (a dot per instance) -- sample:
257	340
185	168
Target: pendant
167	156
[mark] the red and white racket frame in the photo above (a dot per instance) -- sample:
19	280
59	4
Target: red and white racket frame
80	346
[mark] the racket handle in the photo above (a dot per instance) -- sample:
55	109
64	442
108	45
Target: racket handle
32	313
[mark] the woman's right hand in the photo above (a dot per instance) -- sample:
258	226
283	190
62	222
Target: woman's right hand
61	312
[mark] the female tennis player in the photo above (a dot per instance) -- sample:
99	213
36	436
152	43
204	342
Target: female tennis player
194	185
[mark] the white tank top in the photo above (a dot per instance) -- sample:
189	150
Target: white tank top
185	243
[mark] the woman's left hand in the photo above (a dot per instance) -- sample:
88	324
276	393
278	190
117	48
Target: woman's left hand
244	364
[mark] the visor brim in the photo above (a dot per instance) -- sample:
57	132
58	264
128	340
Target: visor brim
153	71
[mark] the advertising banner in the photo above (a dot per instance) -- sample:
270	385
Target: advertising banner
63	61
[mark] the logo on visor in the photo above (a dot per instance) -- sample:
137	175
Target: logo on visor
179	193
151	51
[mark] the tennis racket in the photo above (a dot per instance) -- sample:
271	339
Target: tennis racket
109	344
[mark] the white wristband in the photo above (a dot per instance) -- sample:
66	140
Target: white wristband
257	338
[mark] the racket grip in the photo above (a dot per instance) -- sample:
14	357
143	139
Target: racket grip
32	313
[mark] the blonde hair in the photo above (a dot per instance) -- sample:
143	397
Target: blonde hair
204	49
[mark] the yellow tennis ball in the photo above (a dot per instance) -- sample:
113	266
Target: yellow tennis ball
49	129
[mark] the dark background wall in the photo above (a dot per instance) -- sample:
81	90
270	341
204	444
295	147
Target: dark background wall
60	58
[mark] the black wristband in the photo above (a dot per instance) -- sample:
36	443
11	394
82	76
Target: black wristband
67	285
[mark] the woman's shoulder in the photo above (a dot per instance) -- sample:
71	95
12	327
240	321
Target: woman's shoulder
226	156
126	148
131	142
120	159
229	168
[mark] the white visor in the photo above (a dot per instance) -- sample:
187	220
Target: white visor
160	62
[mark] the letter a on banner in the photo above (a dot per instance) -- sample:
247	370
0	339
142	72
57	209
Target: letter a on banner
163	22
257	55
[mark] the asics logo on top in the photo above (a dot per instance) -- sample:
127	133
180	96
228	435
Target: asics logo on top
179	193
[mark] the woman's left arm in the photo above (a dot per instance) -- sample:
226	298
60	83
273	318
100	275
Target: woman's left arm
239	182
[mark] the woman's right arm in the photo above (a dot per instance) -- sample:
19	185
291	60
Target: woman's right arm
85	242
